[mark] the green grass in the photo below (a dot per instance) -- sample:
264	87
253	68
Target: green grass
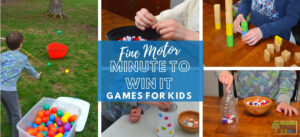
79	33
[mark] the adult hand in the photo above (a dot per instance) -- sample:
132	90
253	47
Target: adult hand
252	36
171	29
144	19
237	23
286	109
135	115
226	78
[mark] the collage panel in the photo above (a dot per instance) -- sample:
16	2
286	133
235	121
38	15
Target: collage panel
48	68
251	103
251	33
167	108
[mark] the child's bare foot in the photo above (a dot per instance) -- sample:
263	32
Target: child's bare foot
287	109
135	115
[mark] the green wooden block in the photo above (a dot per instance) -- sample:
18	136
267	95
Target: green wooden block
230	41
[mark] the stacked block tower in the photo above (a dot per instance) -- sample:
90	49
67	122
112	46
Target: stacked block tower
229	22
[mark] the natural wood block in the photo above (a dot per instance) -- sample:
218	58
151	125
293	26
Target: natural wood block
271	48
297	57
278	39
286	55
267	55
277	46
279	62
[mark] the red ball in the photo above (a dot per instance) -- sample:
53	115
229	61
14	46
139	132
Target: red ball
61	130
45	119
57	119
50	125
51	133
47	113
53	110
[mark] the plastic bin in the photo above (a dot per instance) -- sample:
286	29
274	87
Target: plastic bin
30	116
57	50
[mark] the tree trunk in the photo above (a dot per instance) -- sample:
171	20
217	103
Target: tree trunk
55	9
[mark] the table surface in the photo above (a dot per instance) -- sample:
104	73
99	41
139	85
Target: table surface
146	126
247	125
111	21
216	52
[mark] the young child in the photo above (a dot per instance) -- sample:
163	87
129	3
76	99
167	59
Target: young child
178	23
112	111
277	85
272	17
12	64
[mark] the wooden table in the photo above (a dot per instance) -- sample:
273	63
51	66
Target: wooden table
247	125
216	52
146	126
111	21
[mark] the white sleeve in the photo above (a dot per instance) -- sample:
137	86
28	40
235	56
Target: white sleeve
174	13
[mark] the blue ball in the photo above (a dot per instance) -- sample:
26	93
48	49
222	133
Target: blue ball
66	133
52	117
34	125
49	122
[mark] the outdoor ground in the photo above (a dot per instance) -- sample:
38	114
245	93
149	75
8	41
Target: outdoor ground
79	33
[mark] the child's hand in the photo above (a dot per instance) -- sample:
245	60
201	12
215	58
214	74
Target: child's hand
144	19
226	78
39	76
237	23
252	36
171	29
287	109
135	114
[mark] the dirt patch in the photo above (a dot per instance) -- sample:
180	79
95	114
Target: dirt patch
59	87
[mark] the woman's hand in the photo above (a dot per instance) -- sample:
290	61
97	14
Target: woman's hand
171	29
144	19
226	78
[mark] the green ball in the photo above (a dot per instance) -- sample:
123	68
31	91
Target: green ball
72	123
43	124
49	64
46	107
59	32
45	133
59	113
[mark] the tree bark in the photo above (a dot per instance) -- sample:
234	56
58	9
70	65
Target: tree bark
55	9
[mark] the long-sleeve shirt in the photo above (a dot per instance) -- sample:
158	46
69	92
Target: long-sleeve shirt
12	64
273	17
186	13
277	85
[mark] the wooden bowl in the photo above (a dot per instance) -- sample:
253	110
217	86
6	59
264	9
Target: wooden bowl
257	110
188	114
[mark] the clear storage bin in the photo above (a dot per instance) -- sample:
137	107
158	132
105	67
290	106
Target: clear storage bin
30	116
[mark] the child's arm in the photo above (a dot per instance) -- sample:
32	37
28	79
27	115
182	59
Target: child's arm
244	8
174	13
30	70
286	88
289	20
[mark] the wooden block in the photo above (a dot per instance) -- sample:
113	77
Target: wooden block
271	48
279	39
228	11
297	57
267	55
217	11
279	62
277	46
286	55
